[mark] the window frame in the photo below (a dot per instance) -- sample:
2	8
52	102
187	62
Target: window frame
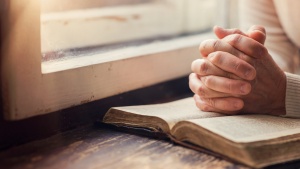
28	92
124	23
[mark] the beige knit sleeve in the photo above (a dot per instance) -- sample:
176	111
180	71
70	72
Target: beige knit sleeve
279	45
292	97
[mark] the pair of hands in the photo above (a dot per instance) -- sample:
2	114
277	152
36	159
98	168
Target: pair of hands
237	74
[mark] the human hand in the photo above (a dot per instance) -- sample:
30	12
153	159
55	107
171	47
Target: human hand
237	74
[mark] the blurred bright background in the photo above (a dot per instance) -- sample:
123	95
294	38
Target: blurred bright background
75	28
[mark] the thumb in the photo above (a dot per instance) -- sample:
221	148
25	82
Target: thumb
221	32
257	33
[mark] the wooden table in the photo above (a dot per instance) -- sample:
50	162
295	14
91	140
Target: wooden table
92	147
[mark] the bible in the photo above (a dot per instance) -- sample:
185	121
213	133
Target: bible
254	140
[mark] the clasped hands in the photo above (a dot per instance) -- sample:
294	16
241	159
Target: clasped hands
238	75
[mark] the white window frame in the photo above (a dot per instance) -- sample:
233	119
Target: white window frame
28	92
102	26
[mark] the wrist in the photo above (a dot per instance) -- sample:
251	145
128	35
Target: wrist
279	104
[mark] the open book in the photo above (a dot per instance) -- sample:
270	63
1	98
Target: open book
255	140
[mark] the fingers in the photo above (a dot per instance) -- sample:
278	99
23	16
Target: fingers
204	67
221	32
241	41
213	45
229	105
247	45
225	85
200	89
257	28
257	33
229	63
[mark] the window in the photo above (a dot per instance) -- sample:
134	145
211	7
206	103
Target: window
58	56
92	30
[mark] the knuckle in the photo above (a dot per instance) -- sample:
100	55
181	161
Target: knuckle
209	80
204	46
235	39
201	46
193	65
229	86
216	44
201	91
236	31
237	65
211	102
191	82
199	105
206	80
216	57
204	108
191	76
203	68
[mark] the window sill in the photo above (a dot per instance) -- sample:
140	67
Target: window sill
125	53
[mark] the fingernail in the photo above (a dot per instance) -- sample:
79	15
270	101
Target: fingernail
244	89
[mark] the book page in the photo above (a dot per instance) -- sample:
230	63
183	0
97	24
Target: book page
171	112
250	128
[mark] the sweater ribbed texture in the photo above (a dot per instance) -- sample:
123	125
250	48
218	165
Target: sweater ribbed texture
292	96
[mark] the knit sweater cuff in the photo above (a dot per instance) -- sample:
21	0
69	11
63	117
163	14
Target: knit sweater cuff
292	96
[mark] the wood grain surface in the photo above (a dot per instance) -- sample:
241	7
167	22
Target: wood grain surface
92	147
